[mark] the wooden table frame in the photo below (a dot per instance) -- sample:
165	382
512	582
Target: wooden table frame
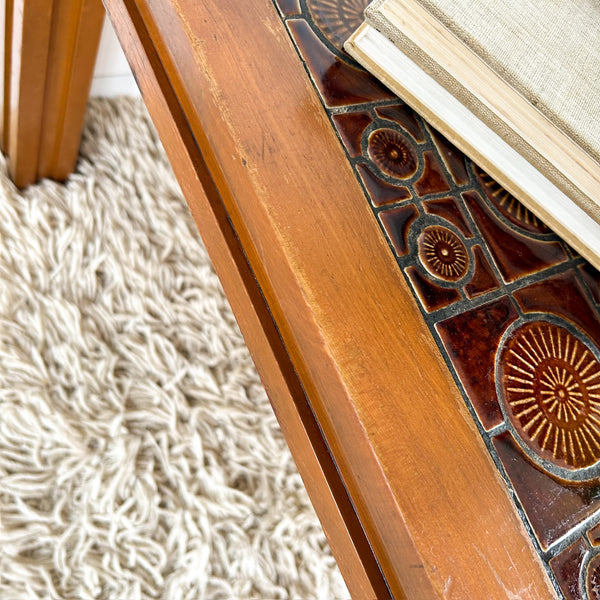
408	496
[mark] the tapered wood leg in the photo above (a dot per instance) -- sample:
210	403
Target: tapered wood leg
49	54
73	47
30	31
6	17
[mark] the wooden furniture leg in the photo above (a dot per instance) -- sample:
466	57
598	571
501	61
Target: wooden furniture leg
49	54
5	59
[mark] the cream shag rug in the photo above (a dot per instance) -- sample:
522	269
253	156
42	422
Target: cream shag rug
139	457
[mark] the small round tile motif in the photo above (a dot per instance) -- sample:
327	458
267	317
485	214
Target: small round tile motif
549	382
392	153
443	253
337	19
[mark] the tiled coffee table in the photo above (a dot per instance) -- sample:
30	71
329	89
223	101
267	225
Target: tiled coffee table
429	346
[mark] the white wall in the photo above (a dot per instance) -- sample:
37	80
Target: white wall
112	76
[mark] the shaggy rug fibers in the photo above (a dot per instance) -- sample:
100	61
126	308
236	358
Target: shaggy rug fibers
139	457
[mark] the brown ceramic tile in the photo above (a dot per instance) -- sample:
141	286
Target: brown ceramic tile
516	255
453	158
508	205
483	279
449	209
594	535
591	276
396	223
563	296
289	8
548	380
404	116
471	340
553	507
443	254
433	180
381	192
432	296
339	83
351	127
393	153
337	19
566	567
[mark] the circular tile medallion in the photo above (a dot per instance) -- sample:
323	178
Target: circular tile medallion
392	153
509	206
337	19
548	379
443	253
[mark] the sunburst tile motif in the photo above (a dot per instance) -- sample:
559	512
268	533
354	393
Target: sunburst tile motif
337	19
443	253
550	387
392	153
592	579
508	205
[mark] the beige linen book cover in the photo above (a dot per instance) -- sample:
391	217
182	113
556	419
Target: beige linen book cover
513	85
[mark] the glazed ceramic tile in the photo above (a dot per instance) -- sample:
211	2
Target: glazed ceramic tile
453	158
381	192
336	20
468	338
564	296
396	223
594	535
483	279
338	82
351	127
591	276
508	206
567	568
515	254
449	209
288	8
552	506
392	153
431	295
404	116
433	180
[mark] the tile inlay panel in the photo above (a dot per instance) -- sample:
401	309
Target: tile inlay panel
514	310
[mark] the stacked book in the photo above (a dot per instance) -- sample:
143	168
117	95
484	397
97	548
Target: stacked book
515	84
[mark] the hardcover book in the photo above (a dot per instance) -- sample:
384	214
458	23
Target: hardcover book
515	84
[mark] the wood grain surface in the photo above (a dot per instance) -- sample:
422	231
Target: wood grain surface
76	28
6	16
31	30
49	54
